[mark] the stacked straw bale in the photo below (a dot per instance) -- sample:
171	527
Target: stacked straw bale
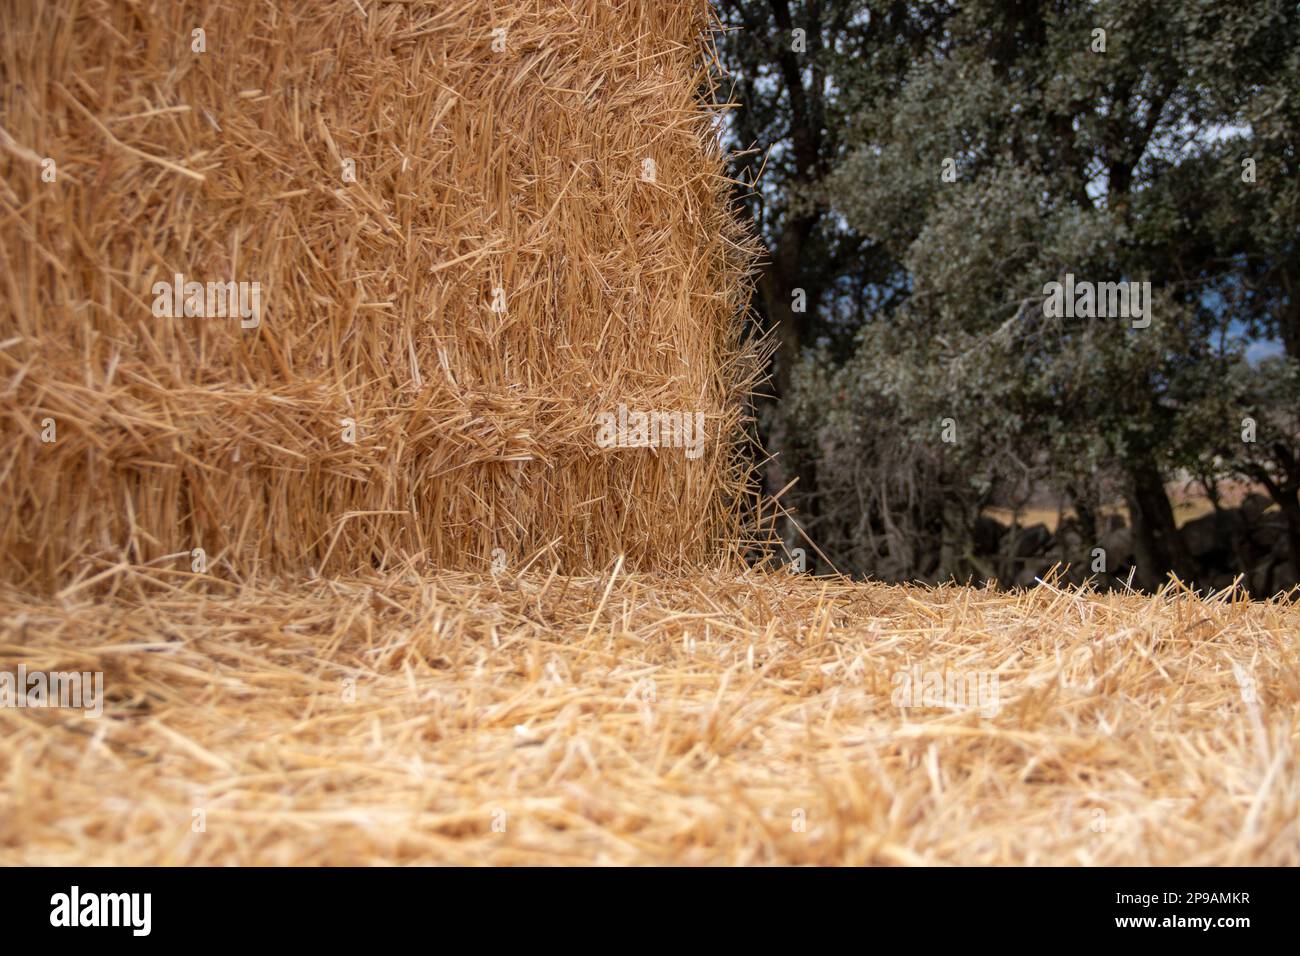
381	170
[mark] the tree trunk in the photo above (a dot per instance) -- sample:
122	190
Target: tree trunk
1157	544
1086	512
1289	502
783	275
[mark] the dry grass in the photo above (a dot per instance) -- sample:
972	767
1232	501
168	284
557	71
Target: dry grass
476	169
640	719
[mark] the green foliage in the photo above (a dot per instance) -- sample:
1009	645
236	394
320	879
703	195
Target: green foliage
1123	165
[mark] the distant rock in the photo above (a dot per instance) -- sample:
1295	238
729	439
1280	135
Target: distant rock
1033	540
1254	505
1027	578
1271	576
1118	545
1268	532
1285	577
1212	533
1069	540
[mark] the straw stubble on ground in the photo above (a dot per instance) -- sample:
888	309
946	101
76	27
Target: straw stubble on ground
714	719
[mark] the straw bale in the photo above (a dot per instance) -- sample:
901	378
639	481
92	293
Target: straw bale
495	146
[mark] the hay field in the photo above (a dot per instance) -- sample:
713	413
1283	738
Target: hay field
715	718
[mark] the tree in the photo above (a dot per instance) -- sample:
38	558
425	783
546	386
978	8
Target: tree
977	153
799	71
